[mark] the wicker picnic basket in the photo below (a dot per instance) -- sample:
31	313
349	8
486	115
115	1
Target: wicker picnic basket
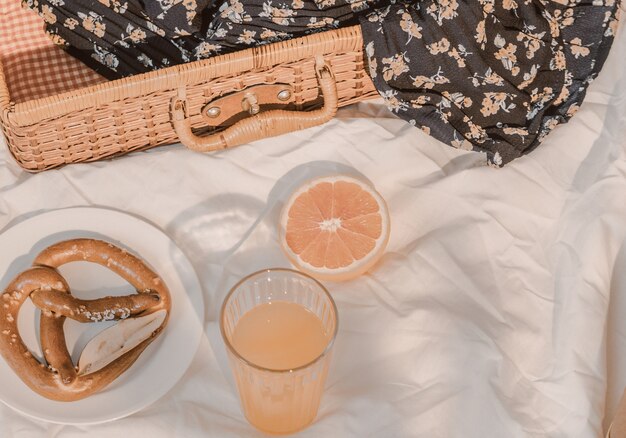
206	105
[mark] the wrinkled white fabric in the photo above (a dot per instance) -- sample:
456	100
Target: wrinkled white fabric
498	310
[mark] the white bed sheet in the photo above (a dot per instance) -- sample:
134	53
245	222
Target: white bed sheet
488	316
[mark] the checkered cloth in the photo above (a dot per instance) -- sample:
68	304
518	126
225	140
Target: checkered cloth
33	65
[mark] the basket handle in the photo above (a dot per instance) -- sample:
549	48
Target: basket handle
262	125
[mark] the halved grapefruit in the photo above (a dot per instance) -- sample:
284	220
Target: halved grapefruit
335	228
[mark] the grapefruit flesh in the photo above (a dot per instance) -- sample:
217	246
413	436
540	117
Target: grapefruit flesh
335	228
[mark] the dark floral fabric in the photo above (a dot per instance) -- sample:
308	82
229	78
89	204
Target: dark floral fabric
183	17
483	75
245	23
355	5
486	75
116	38
119	38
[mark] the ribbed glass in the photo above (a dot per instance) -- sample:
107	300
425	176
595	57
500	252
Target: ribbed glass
279	401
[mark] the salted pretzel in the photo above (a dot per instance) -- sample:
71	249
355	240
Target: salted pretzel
58	378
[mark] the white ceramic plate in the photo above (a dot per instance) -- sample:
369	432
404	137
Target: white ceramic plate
160	366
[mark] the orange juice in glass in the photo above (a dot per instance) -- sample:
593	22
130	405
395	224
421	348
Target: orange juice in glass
279	326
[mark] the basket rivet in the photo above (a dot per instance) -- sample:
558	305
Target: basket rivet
284	95
214	111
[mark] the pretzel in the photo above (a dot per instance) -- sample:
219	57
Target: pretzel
58	378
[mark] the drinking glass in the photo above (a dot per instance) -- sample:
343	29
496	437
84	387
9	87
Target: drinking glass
279	401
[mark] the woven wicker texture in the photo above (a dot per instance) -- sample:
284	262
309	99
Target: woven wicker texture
134	113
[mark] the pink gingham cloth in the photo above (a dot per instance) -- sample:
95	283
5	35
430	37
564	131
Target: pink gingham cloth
33	65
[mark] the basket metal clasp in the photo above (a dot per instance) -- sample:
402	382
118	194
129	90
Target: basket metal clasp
247	102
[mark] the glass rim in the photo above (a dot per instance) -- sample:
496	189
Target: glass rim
232	349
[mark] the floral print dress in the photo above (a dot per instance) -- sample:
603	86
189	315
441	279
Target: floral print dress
486	75
120	38
493	76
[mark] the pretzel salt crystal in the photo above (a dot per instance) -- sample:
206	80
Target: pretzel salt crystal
59	380
102	309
